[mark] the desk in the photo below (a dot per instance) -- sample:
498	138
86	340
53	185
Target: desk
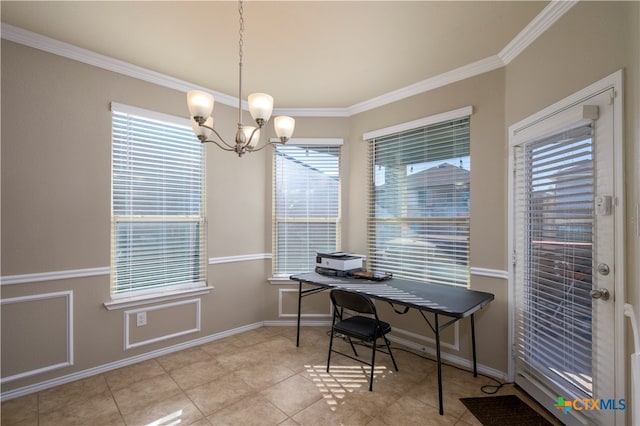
450	301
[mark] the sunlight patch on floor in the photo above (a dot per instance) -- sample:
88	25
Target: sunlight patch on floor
341	380
168	420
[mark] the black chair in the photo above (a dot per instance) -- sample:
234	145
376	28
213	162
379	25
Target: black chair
367	328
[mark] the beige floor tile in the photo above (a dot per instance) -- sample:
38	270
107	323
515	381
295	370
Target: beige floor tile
376	422
331	412
252	337
20	411
413	365
145	392
57	398
427	393
263	374
95	410
203	422
177	409
293	394
299	359
241	358
126	376
372	403
221	346
198	373
468	419
219	393
308	335
254	410
182	358
259	377
408	411
276	346
289	422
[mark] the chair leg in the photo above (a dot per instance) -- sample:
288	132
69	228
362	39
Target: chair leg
373	363
352	346
386	341
330	349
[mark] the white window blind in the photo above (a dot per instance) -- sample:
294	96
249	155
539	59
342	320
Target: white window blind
554	192
157	230
418	220
306	203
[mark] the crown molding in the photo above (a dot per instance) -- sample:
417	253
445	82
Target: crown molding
547	17
470	70
47	44
313	112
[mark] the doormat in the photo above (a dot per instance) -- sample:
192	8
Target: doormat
504	410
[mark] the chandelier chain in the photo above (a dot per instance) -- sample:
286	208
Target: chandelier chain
240	45
260	106
241	31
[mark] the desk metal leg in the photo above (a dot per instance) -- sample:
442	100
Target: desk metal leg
439	361
299	306
473	346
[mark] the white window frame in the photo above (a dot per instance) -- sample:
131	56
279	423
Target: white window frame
131	298
388	131
302	142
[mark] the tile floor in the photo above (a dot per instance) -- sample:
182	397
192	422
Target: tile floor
257	378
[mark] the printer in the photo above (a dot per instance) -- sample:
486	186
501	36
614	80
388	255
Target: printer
338	263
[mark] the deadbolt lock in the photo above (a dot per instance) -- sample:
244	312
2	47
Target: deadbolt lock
603	269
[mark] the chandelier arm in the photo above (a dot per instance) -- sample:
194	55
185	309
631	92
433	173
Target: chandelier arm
231	147
253	133
226	148
266	145
247	144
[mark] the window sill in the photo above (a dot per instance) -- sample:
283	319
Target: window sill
127	302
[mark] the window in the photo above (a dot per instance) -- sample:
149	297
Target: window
157	217
306	203
418	224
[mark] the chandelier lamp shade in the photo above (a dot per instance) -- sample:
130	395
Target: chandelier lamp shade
247	138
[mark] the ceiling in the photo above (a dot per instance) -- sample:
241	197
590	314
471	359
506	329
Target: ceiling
306	54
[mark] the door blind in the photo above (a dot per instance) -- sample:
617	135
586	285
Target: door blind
554	206
418	225
306	206
157	205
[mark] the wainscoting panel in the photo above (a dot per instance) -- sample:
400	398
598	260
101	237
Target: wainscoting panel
161	322
37	334
313	306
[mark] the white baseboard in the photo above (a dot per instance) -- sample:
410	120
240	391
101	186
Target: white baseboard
449	358
36	387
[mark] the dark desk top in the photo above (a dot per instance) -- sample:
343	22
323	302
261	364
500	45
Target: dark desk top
443	299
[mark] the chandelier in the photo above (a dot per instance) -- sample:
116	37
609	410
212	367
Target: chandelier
247	137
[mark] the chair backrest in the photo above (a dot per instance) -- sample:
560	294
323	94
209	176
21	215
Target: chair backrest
356	302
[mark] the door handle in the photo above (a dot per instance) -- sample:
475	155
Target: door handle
602	293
